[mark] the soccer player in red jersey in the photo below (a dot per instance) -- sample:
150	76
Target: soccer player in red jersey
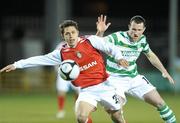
93	79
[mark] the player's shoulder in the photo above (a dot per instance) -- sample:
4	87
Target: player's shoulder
90	39
143	38
86	38
118	33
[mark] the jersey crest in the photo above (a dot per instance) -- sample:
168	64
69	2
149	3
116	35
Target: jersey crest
78	54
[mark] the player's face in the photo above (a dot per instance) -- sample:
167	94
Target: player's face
136	30
71	36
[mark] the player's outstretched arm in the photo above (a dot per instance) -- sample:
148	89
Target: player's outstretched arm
101	25
157	63
8	68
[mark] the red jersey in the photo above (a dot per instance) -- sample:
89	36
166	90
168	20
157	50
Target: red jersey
90	60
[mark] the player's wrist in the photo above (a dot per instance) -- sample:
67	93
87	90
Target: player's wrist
100	33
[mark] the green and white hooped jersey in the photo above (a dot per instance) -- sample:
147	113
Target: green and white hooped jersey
130	51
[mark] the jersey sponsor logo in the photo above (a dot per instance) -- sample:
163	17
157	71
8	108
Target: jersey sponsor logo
87	66
130	53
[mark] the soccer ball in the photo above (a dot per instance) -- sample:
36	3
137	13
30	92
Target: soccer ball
69	70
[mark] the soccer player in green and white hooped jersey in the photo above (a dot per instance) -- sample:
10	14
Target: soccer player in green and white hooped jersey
128	80
130	51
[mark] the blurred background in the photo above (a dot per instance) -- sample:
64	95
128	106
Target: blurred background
30	27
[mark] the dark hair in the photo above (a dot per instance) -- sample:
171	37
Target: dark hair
138	19
67	23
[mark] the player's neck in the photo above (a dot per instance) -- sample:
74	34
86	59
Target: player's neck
130	39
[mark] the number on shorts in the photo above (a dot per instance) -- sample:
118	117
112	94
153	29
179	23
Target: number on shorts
116	98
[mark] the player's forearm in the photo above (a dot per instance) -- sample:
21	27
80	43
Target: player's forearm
157	63
50	59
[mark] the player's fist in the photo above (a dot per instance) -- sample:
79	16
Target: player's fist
166	75
124	63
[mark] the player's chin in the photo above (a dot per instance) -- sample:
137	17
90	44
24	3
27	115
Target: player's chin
136	38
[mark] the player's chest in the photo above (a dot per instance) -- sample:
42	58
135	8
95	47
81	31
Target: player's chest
81	54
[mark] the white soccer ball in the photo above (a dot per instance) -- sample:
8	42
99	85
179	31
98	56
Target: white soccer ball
69	70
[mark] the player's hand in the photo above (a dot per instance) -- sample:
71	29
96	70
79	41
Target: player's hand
166	75
124	63
101	25
8	68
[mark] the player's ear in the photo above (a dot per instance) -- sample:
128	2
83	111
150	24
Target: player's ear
78	32
129	26
144	29
62	35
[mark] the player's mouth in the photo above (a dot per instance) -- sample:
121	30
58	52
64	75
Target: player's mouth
71	40
135	37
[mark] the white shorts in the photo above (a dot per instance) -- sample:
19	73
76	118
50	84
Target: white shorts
65	86
137	86
103	93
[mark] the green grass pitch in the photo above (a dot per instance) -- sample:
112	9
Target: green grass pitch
42	107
